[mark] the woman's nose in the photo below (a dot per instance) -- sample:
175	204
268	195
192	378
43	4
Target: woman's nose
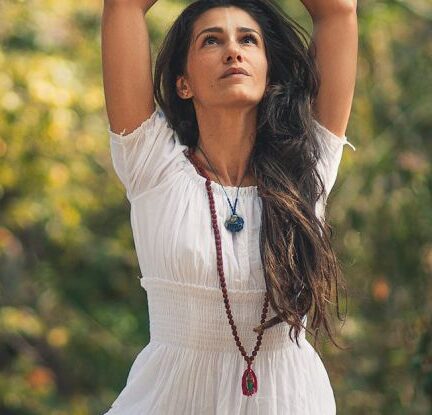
233	50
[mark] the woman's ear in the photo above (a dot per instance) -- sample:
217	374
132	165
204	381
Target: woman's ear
182	88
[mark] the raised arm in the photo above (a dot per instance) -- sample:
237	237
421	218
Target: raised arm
335	35
126	64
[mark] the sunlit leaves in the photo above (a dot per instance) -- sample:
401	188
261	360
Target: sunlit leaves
72	313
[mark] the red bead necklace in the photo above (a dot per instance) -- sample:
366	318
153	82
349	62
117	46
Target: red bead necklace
249	380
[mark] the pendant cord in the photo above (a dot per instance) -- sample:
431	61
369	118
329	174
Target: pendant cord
238	187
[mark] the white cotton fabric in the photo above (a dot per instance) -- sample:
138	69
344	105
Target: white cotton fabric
192	365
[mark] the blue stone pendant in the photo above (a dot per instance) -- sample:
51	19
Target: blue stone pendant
234	223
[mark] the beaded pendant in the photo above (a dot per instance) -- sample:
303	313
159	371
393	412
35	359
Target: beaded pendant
249	382
234	223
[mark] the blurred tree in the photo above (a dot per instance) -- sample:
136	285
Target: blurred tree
72	314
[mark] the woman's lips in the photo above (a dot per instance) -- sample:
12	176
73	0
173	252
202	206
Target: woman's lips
235	75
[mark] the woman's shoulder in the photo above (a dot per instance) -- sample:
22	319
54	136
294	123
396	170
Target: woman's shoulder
145	156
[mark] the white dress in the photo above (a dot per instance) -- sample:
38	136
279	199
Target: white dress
192	365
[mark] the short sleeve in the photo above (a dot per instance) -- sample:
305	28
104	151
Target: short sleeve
142	158
331	147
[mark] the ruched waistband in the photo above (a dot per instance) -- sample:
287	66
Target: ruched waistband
194	316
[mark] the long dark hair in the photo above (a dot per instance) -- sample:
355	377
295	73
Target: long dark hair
299	263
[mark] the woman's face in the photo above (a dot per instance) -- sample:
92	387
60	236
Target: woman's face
235	40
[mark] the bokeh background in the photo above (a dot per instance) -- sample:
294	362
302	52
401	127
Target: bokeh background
72	313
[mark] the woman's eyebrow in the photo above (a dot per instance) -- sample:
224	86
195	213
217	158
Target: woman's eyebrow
220	30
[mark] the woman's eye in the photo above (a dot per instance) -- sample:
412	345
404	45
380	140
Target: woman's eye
208	37
251	37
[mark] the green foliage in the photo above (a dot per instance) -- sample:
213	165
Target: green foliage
72	313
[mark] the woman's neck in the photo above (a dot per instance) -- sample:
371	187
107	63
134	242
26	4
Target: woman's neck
246	181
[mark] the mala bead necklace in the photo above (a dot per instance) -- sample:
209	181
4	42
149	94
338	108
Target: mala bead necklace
249	380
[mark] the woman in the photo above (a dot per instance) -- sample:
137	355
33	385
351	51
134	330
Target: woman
228	181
